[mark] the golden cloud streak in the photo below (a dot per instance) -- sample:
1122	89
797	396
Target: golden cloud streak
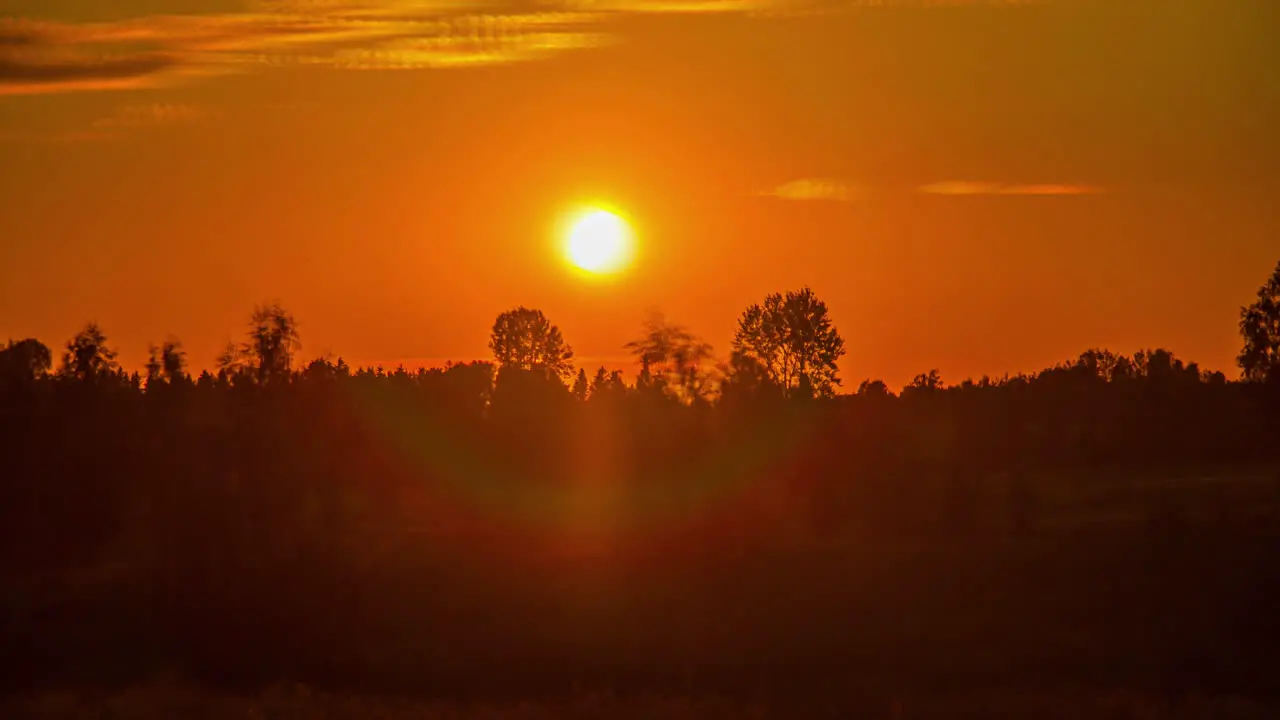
967	187
162	50
444	52
47	57
814	189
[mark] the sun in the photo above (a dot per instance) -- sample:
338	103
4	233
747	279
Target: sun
598	242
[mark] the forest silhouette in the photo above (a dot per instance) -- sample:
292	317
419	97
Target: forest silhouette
525	525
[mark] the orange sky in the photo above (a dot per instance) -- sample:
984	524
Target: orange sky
1007	183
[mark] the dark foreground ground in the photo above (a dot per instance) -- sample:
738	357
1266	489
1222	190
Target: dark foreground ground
1080	622
1127	602
175	700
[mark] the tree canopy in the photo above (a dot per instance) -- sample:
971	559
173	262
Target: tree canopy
792	339
1259	359
524	339
87	356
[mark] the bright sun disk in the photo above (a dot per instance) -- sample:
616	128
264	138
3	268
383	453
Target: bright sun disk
599	242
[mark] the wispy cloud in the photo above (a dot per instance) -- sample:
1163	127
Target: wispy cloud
39	57
814	189
837	190
1052	189
479	40
775	8
676	6
156	51
969	187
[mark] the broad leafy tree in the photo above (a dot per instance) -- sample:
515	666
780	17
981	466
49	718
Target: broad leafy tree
874	389
87	356
524	339
24	361
792	339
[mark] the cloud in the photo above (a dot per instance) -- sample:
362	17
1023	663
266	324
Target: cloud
1050	190
39	57
968	187
478	40
775	8
157	51
814	189
832	189
649	7
32	72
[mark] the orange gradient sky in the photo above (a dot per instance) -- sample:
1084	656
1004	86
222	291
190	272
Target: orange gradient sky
986	187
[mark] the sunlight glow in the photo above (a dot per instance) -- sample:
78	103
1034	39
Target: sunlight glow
599	242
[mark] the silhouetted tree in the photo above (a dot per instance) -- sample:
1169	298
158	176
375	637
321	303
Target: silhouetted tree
325	369
672	360
581	386
1102	364
523	338
792	338
232	362
469	386
598	381
24	361
167	363
746	379
526	398
273	340
924	382
268	351
874	388
606	384
1259	359
87	356
646	382
1162	367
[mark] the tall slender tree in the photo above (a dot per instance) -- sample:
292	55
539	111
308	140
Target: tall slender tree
166	363
268	351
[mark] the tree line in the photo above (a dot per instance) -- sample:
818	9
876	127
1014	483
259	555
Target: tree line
786	346
275	518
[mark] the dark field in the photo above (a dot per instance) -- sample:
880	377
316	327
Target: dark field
1135	598
287	703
